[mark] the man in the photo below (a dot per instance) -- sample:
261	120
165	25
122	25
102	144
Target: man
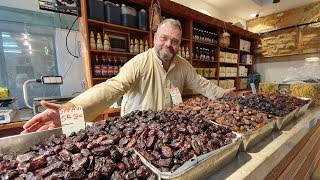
144	82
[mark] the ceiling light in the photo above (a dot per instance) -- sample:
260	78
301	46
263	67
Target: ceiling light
276	1
312	59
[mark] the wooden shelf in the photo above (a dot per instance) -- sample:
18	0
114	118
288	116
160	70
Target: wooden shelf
116	26
185	39
245	52
12	125
226	77
204	60
229	49
229	63
211	77
100	79
204	43
113	52
242	64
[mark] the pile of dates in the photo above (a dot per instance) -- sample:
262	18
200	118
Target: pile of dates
172	138
165	138
238	118
276	104
87	154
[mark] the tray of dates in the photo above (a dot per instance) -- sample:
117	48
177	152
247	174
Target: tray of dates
281	106
181	146
253	126
102	151
304	104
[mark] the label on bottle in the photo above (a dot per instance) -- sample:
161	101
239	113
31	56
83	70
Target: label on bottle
104	70
72	119
97	70
110	70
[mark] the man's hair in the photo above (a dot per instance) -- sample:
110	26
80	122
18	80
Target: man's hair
172	22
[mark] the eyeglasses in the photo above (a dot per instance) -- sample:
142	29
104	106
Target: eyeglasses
173	41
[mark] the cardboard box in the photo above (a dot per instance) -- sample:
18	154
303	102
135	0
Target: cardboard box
245	45
246	59
234	58
241	71
229	72
243	83
222	56
223	84
234	72
200	71
222	71
230	83
228	57
307	90
206	72
212	72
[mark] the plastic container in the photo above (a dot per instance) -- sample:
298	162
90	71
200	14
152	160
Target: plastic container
112	12
128	16
96	10
142	20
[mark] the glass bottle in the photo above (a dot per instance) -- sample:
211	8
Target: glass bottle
104	67
93	45
97	67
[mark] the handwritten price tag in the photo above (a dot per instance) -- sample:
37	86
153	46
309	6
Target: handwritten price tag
175	95
72	119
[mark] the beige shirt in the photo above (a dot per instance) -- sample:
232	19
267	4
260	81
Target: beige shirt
144	84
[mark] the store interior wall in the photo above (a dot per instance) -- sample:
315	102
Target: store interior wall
294	37
71	69
280	71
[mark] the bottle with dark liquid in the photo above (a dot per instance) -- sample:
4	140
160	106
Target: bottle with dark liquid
110	67
104	67
115	66
97	67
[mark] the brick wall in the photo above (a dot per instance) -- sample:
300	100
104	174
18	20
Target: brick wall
288	41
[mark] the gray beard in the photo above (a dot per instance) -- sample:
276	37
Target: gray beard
165	57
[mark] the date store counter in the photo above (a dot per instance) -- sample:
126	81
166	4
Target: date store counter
290	153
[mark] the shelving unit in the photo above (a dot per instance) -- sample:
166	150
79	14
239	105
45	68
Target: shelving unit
189	20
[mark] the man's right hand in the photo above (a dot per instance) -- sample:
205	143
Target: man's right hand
48	119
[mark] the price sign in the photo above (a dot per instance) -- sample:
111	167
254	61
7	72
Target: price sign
253	88
72	119
175	95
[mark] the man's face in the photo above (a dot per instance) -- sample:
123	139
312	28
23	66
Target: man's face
167	41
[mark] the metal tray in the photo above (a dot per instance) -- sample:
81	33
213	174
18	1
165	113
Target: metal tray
201	166
253	137
303	109
281	122
22	143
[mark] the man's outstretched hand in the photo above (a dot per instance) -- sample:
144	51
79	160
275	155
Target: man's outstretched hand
230	93
48	119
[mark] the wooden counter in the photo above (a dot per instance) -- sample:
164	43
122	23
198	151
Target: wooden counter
15	127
